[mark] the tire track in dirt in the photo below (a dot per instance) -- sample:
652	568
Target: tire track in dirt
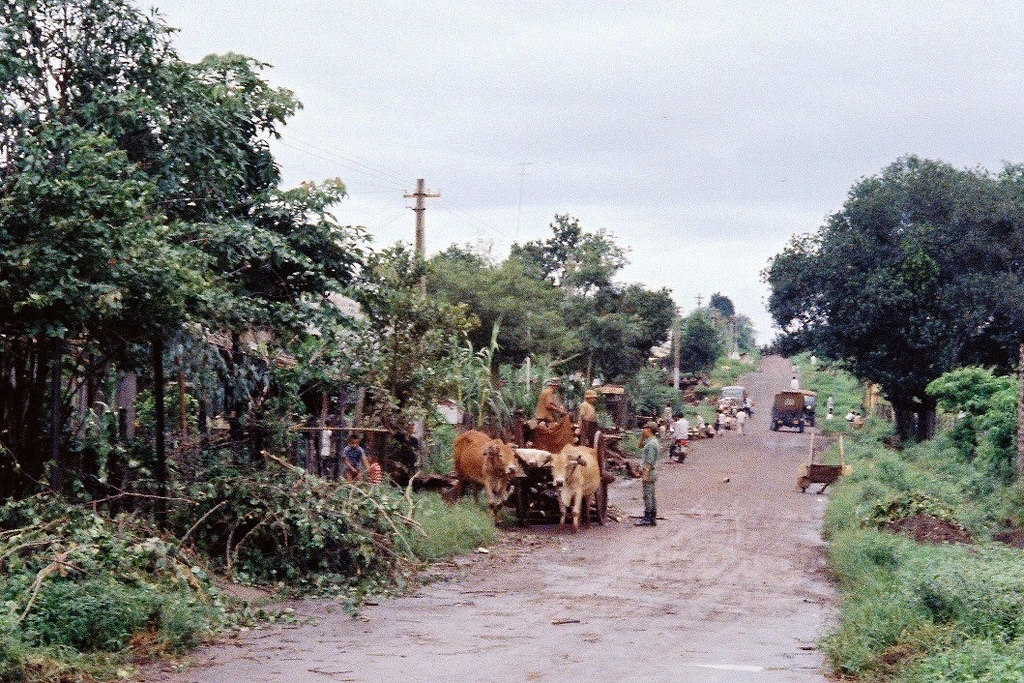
728	587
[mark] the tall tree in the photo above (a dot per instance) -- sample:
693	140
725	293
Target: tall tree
722	304
137	193
700	343
614	326
408	342
918	274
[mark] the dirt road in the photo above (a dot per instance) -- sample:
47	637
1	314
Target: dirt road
728	587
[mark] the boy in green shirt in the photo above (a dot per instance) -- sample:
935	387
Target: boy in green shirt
648	474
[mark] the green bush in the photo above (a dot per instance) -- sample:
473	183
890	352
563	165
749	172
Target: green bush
919	612
79	587
439	449
12	648
94	614
975	659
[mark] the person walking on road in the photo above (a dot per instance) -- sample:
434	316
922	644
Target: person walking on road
648	473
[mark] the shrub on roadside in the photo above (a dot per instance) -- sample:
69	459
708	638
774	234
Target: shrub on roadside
285	526
439	447
79	587
916	612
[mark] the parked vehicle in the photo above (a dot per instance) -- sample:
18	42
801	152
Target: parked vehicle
733	399
736	393
788	410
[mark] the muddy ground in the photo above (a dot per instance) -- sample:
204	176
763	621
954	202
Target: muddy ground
730	586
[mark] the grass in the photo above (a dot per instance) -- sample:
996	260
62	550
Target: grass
440	444
115	590
918	612
727	372
450	530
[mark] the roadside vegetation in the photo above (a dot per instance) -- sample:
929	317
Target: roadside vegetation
944	607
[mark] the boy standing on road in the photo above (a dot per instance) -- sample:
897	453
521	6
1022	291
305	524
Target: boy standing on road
648	475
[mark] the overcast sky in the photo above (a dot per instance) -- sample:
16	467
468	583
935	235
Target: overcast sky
702	135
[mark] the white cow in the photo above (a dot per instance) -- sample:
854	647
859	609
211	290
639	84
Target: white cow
576	475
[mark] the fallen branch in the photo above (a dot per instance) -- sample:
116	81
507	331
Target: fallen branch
58	562
201	520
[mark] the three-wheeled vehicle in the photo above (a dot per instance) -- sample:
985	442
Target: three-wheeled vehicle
788	410
810	406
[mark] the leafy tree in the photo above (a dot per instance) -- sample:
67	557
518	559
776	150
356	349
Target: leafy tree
918	274
409	343
138	197
649	392
614	326
581	262
504	297
700	343
986	423
722	304
746	333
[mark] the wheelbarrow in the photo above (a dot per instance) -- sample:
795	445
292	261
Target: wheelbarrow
818	472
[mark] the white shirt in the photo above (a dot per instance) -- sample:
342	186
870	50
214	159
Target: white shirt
794	383
681	429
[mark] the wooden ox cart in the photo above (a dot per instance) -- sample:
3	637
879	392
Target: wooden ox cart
536	498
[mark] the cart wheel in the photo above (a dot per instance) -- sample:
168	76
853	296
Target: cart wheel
601	503
802	483
523	501
601	495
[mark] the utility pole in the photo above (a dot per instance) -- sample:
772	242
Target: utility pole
676	331
522	177
421	250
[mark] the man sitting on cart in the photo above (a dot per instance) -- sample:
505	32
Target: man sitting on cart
549	405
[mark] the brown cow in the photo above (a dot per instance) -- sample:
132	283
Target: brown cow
485	462
577	476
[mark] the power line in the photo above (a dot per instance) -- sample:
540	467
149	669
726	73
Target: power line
356	161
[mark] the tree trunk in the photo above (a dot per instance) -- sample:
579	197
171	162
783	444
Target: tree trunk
125	393
160	419
234	407
906	420
1020	414
182	406
58	477
926	420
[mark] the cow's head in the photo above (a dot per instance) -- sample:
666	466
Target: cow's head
509	461
563	464
501	458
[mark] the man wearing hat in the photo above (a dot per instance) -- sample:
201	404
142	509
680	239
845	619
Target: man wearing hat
648	473
588	418
549	405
